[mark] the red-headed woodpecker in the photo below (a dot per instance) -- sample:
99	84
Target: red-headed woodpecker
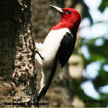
58	45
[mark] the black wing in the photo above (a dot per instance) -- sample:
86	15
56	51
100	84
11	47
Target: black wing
66	48
63	54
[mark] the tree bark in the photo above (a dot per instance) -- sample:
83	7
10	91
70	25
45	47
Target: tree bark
17	71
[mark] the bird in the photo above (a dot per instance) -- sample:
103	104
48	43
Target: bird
57	47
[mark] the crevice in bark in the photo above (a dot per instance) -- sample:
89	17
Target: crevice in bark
17	50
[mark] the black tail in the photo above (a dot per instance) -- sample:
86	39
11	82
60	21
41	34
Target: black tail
48	83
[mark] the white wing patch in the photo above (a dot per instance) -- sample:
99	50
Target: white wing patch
51	44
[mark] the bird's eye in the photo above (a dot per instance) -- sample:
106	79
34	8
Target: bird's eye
68	12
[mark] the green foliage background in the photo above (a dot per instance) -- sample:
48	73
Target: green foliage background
98	54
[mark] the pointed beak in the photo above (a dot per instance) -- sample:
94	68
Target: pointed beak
57	8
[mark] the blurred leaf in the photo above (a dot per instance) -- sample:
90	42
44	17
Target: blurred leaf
101	79
86	13
98	53
103	5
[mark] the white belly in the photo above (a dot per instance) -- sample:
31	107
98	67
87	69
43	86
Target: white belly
51	44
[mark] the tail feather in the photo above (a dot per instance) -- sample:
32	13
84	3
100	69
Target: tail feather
48	83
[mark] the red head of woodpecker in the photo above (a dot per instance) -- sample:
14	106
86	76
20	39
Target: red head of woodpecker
70	19
58	45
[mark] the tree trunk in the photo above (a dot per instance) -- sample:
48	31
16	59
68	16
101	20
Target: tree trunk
17	72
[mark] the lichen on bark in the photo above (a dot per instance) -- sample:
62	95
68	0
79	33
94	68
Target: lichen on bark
17	71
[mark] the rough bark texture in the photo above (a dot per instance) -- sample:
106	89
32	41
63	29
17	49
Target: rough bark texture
17	73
